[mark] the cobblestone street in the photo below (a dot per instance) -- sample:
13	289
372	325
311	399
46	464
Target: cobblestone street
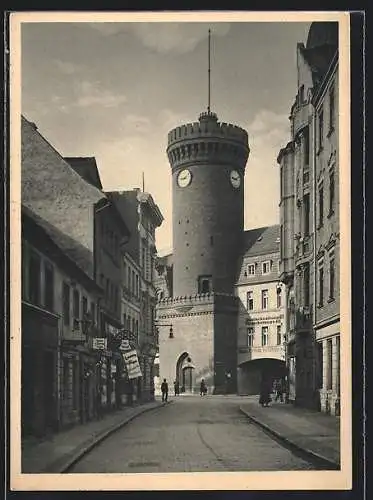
191	434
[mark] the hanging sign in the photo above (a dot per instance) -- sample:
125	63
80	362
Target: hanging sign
124	345
99	343
132	364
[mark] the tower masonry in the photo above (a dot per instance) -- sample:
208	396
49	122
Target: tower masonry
208	160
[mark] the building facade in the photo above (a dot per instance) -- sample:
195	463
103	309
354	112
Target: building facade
309	181
59	317
143	217
261	349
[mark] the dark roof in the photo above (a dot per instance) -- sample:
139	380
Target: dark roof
322	33
76	253
86	167
262	240
55	192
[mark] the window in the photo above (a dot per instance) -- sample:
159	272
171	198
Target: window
264	335
93	311
66	303
331	108
321	128
329	366
204	284
84	306
279	297
331	276
266	267
250	336
129	280
137	285
133	282
49	287
66	379
124	272
34	278
321	284
306	214
331	192
264	299
76	305
124	320
301	95
279	336
321	206
250	301
251	269
306	285
306	136
75	383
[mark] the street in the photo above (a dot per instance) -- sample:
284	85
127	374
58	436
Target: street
190	434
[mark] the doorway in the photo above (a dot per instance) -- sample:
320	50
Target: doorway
185	371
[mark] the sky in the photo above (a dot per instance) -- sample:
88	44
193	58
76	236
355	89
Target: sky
115	90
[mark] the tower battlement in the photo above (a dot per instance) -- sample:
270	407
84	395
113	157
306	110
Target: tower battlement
208	140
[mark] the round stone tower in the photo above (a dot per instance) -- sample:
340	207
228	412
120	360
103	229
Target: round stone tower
208	160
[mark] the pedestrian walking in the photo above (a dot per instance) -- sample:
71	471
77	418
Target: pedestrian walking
279	390
164	390
176	388
265	392
203	388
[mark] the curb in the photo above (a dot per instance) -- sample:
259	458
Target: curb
316	457
72	460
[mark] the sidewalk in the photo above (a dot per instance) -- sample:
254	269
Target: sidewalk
313	432
63	449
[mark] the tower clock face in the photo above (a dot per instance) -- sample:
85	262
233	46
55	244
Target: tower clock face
235	179
184	178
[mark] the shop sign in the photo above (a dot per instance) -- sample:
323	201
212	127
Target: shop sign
124	345
132	364
99	343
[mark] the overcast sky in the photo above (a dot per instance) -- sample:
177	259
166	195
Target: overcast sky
114	90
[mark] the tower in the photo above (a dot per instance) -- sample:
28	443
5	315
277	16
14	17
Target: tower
208	160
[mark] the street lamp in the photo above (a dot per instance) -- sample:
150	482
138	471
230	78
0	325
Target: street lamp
171	334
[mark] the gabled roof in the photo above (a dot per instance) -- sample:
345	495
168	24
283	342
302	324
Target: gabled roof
86	167
78	255
55	192
261	240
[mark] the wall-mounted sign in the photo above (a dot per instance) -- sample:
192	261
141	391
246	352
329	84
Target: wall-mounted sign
132	364
99	343
124	345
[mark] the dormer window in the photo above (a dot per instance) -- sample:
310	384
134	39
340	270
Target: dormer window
251	270
266	267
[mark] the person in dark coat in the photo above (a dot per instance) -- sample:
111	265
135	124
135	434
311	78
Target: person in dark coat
265	391
203	388
164	390
176	388
279	390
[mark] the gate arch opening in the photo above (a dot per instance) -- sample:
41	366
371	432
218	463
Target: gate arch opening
185	373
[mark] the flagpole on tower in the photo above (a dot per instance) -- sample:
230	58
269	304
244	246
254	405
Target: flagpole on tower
209	73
